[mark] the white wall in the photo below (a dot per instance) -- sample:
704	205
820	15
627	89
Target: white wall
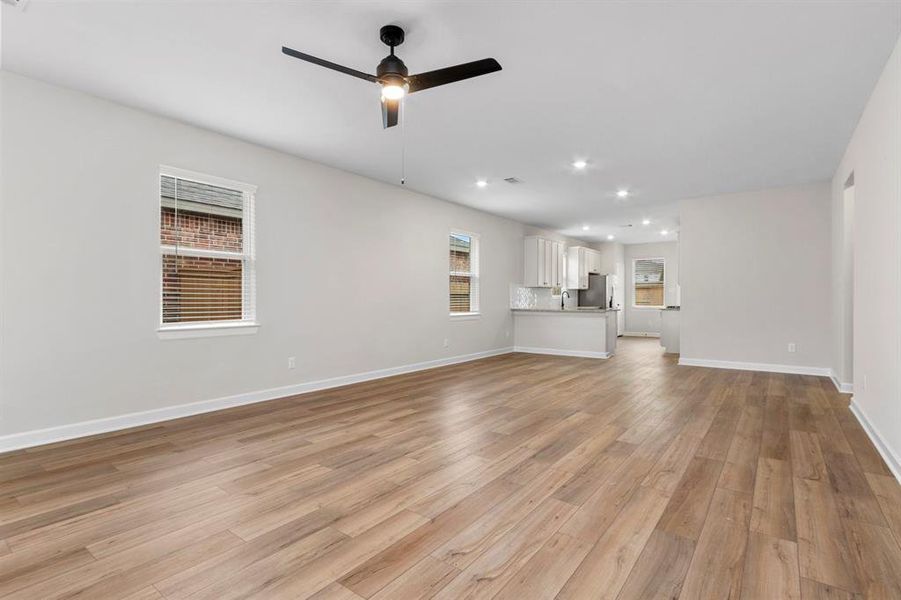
756	271
647	320
874	157
352	273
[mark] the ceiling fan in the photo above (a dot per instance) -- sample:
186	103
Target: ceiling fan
391	74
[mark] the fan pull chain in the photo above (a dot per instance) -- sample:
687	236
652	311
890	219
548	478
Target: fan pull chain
403	142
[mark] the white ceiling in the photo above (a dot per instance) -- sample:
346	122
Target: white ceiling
671	100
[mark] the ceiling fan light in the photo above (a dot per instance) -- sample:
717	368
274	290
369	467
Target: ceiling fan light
393	91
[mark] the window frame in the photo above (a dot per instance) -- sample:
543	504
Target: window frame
475	292
663	283
248	324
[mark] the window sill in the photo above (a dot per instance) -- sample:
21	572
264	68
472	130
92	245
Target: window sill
648	307
199	331
469	316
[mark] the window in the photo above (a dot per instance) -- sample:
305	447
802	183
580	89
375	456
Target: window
464	274
648	281
206	251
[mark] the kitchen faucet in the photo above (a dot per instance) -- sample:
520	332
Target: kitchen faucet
562	299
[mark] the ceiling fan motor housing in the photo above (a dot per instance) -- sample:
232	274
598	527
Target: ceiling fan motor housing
391	65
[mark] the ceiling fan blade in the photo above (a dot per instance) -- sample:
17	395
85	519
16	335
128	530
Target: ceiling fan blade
329	65
390	111
430	79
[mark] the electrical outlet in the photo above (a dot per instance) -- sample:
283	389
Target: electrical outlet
292	362
792	347
446	342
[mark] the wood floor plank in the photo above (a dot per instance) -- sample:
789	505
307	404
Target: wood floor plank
876	559
515	476
486	575
823	552
773	510
771	569
888	493
421	582
660	569
716	443
687	509
775	439
740	466
148	593
329	567
548	569
718	562
465	547
377	572
807	457
262	575
335	591
282	541
605	569
852	491
863	448
814	590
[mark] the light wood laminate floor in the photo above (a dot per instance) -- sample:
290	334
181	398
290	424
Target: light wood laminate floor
519	476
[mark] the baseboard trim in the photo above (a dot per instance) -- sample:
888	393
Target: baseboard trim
843	388
38	437
649	334
749	366
558	352
890	458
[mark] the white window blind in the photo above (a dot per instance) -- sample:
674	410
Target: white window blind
206	250
648	277
464	273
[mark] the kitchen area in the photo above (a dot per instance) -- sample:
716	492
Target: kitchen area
573	298
570	301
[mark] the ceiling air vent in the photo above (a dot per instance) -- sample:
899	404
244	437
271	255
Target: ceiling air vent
513	180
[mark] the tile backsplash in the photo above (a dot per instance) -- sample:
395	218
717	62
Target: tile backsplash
527	297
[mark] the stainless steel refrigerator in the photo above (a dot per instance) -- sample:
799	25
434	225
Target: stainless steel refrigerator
599	292
602	292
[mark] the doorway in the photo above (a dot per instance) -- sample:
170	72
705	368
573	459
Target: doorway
847	277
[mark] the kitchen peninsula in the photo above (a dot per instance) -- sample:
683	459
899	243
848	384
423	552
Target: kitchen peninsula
585	332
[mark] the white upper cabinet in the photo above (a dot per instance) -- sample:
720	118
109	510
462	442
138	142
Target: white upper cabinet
577	268
581	262
594	261
561	266
544	262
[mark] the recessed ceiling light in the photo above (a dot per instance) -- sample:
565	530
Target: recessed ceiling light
622	193
585	227
664	232
646	222
610	237
580	164
481	183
